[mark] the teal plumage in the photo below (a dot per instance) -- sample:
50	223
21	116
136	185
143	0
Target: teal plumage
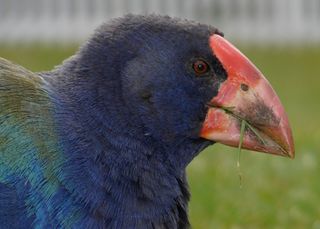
31	155
29	148
26	121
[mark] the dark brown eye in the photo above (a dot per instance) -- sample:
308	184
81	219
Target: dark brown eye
200	67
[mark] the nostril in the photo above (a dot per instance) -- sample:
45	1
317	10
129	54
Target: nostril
244	87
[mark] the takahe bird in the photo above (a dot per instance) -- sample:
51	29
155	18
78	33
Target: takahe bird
103	140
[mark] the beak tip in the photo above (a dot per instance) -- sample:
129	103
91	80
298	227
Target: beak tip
290	150
290	145
291	153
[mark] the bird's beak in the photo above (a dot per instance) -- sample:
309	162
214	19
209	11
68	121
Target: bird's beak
246	99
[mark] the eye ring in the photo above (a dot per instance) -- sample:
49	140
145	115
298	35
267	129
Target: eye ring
200	67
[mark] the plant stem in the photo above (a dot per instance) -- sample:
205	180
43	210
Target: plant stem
242	130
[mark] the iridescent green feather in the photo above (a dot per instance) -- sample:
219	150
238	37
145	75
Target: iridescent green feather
28	141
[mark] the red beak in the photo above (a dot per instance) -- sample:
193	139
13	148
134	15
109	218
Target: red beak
246	95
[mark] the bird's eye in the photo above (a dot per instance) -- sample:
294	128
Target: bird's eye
200	67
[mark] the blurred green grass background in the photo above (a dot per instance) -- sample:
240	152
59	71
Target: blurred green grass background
276	192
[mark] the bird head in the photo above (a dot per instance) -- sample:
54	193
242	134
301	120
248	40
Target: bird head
183	80
143	97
